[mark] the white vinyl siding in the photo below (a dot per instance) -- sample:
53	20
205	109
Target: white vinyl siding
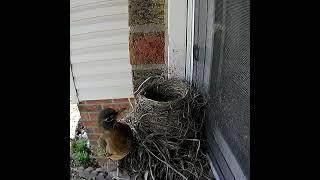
99	48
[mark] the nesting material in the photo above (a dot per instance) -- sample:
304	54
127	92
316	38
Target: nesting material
167	122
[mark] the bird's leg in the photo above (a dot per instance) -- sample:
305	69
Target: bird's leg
117	169
108	164
104	164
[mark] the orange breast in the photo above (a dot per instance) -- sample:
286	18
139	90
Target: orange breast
119	141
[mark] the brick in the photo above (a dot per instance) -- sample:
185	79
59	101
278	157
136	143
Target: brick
120	100
84	116
89	108
89	123
94	116
96	130
92	129
106	101
147	48
117	106
89	129
93	137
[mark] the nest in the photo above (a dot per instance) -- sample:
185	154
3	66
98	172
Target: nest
167	122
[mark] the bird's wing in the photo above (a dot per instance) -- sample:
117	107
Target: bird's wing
102	145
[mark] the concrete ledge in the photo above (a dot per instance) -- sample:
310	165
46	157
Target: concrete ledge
146	28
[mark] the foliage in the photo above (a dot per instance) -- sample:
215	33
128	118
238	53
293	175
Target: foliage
80	153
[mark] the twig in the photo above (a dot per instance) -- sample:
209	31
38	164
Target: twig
146	175
144	83
144	115
191	173
150	167
198	145
165	163
160	151
130	103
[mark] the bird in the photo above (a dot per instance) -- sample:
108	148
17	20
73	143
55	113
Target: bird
116	137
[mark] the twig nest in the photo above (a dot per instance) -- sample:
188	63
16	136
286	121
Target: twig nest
162	95
160	107
167	122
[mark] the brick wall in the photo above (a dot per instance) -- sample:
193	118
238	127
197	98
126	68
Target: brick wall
147	41
89	111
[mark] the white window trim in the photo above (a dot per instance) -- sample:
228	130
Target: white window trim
180	34
73	91
190	40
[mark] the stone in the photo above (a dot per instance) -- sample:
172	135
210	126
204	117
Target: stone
99	169
89	169
94	172
86	174
108	178
124	177
111	166
74	169
100	176
81	173
113	173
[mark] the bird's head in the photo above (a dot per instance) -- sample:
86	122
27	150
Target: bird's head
108	117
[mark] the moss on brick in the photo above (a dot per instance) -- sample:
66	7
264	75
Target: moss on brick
140	75
146	12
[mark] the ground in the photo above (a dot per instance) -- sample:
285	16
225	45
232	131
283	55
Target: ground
74	119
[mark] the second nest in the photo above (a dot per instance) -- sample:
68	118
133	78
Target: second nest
167	121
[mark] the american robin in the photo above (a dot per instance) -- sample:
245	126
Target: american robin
116	137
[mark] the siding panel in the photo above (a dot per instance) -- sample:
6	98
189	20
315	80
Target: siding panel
102	23
99	38
98	10
76	3
104	93
99	46
119	51
101	67
103	81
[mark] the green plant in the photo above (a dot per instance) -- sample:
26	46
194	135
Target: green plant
81	159
80	153
79	146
